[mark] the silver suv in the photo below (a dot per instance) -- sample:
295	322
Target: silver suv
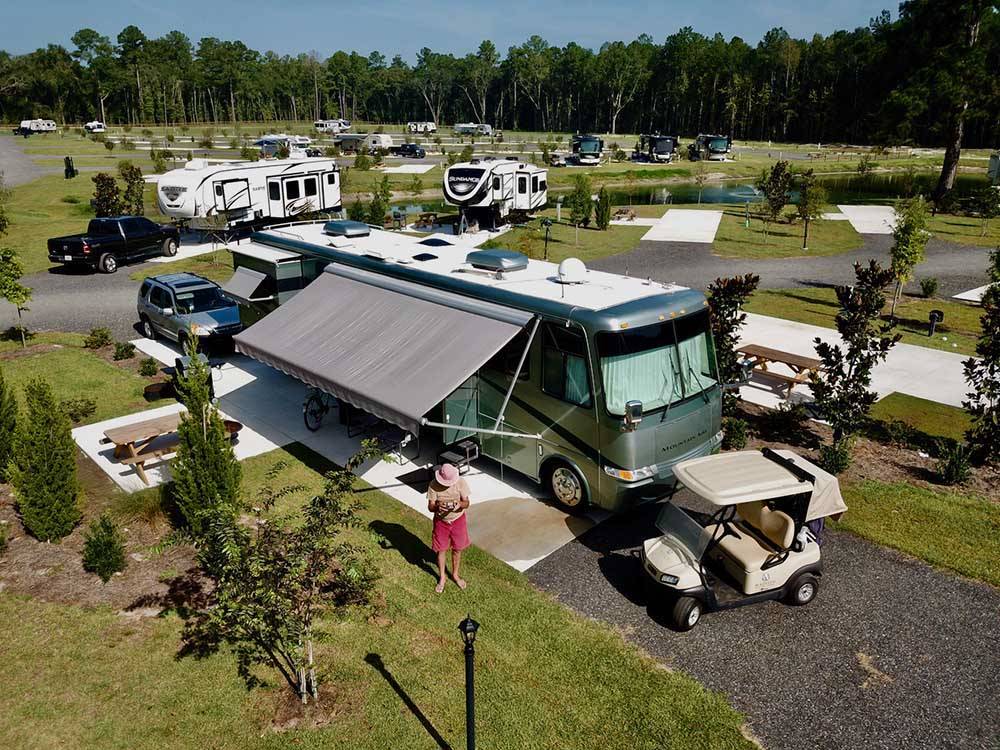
180	305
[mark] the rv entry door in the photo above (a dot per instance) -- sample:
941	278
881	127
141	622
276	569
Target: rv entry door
275	204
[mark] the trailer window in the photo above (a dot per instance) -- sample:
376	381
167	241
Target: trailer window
310	183
274	191
496	183
564	365
534	184
331	179
292	190
522	184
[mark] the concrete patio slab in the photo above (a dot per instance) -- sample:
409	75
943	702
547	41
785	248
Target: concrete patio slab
409	169
972	295
685	225
870	219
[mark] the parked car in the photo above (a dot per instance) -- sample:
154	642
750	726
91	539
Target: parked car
111	241
95	126
180	305
411	151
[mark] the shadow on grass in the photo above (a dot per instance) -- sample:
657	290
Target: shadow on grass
413	549
808	300
376	663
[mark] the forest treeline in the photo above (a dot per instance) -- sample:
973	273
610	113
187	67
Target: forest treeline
916	79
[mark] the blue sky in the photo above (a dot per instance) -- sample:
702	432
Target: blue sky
391	26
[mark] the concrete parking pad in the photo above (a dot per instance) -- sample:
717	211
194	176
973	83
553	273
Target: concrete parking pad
972	295
685	225
189	248
870	219
409	169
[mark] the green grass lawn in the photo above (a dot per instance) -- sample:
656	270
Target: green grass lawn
930	417
957	334
217	266
947	529
965	230
564	241
783	240
545	677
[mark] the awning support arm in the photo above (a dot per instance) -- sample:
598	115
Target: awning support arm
481	430
517	374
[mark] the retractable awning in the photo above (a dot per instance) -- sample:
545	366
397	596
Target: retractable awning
392	348
243	284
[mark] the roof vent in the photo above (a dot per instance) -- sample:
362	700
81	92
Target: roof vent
345	228
498	261
572	271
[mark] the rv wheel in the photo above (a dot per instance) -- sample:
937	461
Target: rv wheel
567	487
170	247
803	590
107	263
685	613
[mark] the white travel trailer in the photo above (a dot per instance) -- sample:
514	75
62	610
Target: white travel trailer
31	127
332	127
489	189
473	128
95	126
376	141
248	193
421	127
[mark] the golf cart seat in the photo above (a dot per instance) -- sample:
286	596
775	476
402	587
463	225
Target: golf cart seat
763	534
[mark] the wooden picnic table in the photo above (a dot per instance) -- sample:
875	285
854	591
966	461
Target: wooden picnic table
134	443
427	218
762	356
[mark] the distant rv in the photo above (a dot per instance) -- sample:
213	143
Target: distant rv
34	127
472	128
488	189
587	149
421	127
656	148
333	127
248	193
710	147
95	126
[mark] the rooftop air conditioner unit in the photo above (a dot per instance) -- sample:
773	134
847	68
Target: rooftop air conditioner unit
346	228
497	261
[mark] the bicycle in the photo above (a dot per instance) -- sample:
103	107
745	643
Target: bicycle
316	406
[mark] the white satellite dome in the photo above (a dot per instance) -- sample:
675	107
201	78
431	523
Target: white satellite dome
572	271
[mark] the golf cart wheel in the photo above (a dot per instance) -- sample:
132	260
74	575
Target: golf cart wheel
170	247
147	328
803	591
685	613
313	412
567	487
107	263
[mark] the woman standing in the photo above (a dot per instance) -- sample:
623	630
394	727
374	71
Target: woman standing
448	499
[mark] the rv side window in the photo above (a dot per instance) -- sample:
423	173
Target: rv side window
292	190
564	365
543	185
534	184
274	191
218	188
506	359
331	179
522	184
310	183
496	182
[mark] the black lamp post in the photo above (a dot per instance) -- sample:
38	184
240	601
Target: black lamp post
547	223
468	628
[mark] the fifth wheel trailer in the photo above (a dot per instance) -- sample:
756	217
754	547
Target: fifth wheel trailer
248	193
489	189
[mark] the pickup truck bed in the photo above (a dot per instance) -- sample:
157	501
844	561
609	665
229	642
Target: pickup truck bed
109	242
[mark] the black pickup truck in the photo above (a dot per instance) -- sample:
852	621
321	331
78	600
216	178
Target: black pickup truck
409	150
114	240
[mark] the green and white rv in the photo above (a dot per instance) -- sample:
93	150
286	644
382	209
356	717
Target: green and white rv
591	383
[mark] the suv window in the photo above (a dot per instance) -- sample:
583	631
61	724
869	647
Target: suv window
564	365
159	297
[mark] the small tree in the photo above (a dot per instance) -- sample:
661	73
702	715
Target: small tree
43	470
206	472
11	288
107	196
132	201
416	186
110	146
361	162
983	376
812	198
726	298
602	211
909	235
381	195
866	165
581	203
774	183
103	548
275	579
987	202
841	389
700	178
8	425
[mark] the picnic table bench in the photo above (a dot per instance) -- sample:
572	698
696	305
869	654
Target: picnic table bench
802	367
426	219
624	214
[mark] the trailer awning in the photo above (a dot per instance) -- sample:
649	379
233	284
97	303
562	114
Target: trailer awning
243	284
392	348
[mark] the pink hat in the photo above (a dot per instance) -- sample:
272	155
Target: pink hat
446	475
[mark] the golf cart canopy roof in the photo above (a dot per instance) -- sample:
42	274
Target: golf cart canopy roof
750	476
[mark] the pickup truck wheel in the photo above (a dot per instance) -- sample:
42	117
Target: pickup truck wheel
107	263
170	247
147	328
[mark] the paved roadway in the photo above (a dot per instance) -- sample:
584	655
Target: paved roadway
891	654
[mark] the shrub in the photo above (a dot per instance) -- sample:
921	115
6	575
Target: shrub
124	350
735	433
206	143
929	287
8	425
147	132
789	422
159	163
234	143
954	463
128	144
109	145
835	458
98	338
149	367
107	195
103	549
357	211
362	162
43	469
78	409
3	538
331	151
189	156
127	128
248	153
170	137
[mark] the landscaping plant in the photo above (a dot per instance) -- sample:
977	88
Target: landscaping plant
107	196
123	350
379	206
987	203
602	211
149	367
835	458
98	338
735	434
910	236
361	162
103	548
842	389
78	409
812	198
132	199
8	425
954	463
929	287
581	203
206	472
774	183
982	373
11	288
43	468
726	297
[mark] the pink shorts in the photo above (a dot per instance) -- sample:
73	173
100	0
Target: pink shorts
454	534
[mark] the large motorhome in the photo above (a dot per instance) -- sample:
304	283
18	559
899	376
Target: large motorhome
421	127
33	127
592	383
332	126
472	128
489	189
656	148
587	149
248	193
710	147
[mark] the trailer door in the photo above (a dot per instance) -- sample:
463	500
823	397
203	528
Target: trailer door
331	191
275	204
522	196
231	195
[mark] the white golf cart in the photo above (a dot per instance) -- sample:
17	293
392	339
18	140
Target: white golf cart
756	545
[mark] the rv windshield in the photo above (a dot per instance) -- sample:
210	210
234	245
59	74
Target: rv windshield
663	146
201	300
718	145
590	147
658	364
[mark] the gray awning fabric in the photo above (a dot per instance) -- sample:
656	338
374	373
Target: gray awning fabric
392	348
243	284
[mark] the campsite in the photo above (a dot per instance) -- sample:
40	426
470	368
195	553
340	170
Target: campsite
628	385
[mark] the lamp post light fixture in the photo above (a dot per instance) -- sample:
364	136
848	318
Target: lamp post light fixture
547	223
468	628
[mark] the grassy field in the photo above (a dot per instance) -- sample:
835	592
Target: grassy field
965	230
564	242
783	240
947	529
958	333
391	680
930	417
217	266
